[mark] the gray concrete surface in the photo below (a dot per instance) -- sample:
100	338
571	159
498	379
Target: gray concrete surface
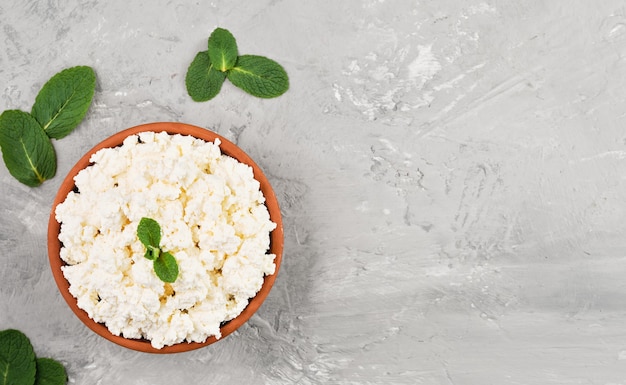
451	174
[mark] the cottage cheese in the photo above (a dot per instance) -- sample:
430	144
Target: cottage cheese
213	220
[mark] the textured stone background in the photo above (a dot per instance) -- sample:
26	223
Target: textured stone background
451	175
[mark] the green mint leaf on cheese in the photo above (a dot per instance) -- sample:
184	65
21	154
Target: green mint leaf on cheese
259	76
26	149
166	268
64	100
203	80
222	49
17	359
149	232
164	263
50	372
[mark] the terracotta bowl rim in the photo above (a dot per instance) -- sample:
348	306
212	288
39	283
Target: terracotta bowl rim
228	148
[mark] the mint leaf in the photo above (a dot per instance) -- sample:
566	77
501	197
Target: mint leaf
17	366
164	263
26	149
149	233
64	100
222	49
203	80
166	268
259	76
50	372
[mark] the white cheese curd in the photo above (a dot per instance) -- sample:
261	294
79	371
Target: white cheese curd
213	220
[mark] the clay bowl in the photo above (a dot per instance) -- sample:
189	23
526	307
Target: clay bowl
228	148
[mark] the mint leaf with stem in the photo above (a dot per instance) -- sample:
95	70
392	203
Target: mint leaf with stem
203	80
259	76
166	268
17	359
50	372
63	101
256	75
26	149
59	107
222	49
164	263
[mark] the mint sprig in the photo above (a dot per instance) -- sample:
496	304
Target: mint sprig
25	138
257	75
164	263
20	366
